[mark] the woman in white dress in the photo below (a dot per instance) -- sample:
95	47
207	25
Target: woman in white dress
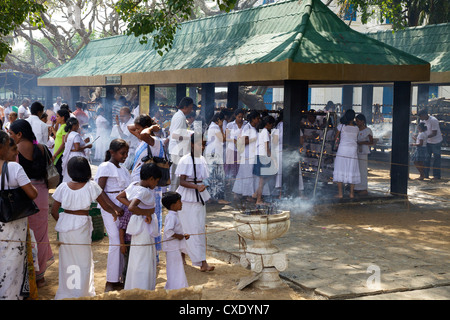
365	139
244	184
74	145
346	168
215	159
13	257
103	134
233	133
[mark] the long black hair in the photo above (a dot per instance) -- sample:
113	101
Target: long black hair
144	120
115	146
24	127
265	121
348	116
64	114
70	123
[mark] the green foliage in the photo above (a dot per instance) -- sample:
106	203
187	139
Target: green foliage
401	13
160	22
12	14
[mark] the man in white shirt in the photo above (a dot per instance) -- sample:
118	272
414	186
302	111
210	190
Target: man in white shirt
434	143
40	129
24	110
57	104
179	144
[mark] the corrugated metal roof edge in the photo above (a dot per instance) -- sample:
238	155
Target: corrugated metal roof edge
420	61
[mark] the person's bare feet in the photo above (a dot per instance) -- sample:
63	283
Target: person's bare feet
41	283
206	267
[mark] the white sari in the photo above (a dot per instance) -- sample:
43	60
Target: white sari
72	138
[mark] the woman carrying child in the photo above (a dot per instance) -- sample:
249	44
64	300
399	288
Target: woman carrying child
113	179
76	267
143	228
193	169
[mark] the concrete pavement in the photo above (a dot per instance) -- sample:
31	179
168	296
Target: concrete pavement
387	249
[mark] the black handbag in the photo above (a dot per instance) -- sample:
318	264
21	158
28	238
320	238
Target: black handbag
162	163
14	203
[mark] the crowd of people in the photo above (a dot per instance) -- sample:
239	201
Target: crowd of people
238	153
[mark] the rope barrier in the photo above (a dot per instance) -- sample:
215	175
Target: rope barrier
220	229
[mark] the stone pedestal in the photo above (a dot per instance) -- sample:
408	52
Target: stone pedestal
264	258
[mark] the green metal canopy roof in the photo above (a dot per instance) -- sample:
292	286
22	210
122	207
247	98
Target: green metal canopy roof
430	43
291	40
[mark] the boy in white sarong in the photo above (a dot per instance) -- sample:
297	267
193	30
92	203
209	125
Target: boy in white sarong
174	242
143	228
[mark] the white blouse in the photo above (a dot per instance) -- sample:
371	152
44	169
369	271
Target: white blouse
80	199
118	178
17	176
363	136
137	223
185	167
145	195
172	225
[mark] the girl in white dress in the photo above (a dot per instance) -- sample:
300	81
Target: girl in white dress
13	257
174	242
113	178
265	166
244	184
365	139
233	134
74	145
193	169
76	266
346	168
143	228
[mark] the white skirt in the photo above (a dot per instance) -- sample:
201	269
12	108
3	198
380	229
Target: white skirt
76	266
244	184
141	270
192	217
346	168
362	161
12	258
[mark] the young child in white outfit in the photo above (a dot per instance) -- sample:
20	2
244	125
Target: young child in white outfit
76	267
174	242
143	228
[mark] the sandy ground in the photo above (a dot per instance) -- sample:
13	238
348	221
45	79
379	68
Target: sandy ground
424	222
221	284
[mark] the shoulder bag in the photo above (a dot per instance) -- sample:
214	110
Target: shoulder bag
14	203
162	163
52	177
